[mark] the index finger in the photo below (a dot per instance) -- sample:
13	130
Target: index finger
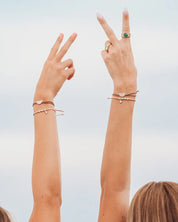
66	46
108	30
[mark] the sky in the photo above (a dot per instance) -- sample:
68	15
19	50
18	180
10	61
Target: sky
28	31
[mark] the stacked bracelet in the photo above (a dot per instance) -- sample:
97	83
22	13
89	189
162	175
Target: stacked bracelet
122	96
47	109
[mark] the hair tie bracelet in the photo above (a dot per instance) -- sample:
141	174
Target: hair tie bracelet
48	109
45	102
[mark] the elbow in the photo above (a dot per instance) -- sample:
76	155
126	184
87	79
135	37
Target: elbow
46	191
48	198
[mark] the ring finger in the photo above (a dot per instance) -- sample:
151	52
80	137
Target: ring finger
69	72
67	64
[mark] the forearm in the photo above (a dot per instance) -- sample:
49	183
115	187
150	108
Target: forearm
115	171
46	174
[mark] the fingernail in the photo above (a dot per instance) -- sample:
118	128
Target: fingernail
60	35
74	34
125	11
99	16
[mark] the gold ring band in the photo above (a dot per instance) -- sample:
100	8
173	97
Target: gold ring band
108	46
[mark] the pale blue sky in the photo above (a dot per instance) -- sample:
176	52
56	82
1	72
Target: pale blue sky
28	30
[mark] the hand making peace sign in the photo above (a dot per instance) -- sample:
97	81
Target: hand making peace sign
118	56
55	71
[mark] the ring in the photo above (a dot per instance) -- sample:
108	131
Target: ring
125	35
107	46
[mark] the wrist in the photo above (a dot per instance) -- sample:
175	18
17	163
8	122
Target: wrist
124	88
39	95
42	106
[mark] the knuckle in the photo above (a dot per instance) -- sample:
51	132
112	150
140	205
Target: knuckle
117	44
70	61
48	63
113	52
63	74
72	70
102	53
123	49
59	67
107	58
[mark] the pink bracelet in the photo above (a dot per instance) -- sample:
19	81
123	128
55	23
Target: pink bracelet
41	101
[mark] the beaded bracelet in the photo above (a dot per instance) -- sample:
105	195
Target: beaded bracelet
127	99
47	109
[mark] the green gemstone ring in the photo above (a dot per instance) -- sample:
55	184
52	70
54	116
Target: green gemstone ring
125	35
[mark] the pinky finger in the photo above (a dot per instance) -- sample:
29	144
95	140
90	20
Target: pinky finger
70	77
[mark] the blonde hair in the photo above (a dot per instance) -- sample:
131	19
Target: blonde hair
4	215
155	202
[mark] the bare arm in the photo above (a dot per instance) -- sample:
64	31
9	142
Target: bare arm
115	171
46	171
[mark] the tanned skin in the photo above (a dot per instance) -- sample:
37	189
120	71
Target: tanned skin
115	170
46	172
116	163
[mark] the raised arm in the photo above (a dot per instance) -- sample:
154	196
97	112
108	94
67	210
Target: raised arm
115	170
46	172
